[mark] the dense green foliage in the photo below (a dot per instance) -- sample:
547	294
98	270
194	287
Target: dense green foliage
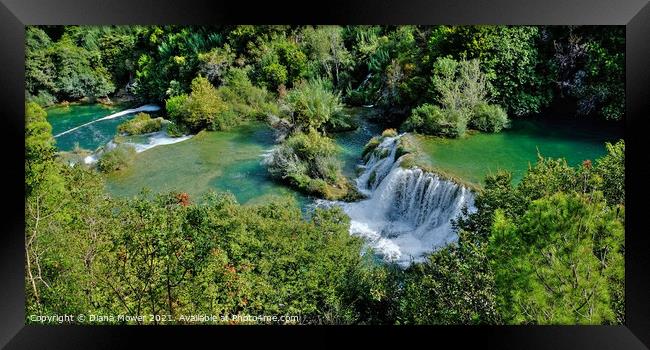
510	56
461	89
203	108
63	70
556	241
548	250
433	120
165	255
526	68
454	286
311	104
142	123
558	261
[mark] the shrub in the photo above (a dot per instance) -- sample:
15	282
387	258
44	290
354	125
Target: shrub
203	108
311	104
340	122
433	120
311	145
176	130
308	161
244	99
117	158
488	118
43	98
140	124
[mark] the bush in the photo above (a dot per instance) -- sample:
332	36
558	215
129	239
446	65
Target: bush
340	122
612	170
140	124
453	286
176	130
244	99
43	99
308	162
312	104
117	158
433	120
203	108
488	118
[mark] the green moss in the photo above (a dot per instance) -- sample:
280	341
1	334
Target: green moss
370	146
372	178
389	133
405	146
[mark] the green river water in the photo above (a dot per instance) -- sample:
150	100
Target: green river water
230	160
474	156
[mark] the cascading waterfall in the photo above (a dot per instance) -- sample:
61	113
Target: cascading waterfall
408	212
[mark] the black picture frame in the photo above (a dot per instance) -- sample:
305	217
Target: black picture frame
633	14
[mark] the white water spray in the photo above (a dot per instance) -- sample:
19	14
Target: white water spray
408	212
145	108
158	139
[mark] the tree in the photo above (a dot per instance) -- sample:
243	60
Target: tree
326	51
39	67
459	85
555	263
509	57
453	286
611	169
39	148
79	71
589	65
460	88
279	62
203	108
214	65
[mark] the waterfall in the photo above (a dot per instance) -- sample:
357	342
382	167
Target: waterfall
145	108
408	212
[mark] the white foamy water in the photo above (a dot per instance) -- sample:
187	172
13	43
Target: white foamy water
145	108
408	212
158	139
155	139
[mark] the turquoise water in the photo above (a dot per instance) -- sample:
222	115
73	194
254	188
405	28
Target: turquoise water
215	160
230	160
474	156
352	142
90	137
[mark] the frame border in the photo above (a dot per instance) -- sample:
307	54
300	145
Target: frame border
634	14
